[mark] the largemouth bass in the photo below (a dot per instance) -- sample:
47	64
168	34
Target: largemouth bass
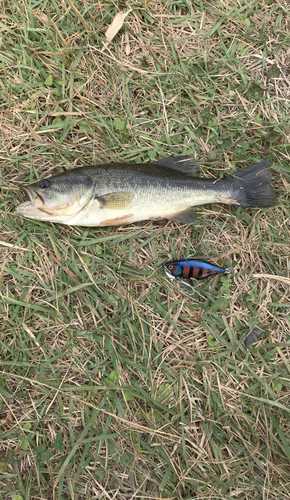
114	194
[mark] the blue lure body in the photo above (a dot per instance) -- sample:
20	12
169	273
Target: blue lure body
197	269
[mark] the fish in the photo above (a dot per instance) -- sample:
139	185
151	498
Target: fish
192	268
123	193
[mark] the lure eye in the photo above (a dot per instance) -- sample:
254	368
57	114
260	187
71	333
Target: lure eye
44	184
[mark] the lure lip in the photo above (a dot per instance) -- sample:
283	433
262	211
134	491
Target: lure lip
172	278
168	274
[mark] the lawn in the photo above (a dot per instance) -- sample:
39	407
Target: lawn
114	383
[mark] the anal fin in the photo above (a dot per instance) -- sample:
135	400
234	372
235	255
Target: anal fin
187	216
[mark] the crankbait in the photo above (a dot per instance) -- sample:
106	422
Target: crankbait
195	269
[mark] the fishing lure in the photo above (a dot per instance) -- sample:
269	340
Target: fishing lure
195	269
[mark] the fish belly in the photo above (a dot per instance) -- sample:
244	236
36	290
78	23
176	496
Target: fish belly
145	206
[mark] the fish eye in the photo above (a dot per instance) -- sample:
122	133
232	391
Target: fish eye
44	184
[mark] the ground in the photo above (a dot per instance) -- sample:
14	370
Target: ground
114	383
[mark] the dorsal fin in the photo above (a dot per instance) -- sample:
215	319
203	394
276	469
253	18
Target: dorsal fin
183	163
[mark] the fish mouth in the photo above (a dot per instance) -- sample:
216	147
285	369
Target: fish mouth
33	207
30	195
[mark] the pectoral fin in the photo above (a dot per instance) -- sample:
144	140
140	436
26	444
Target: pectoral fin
116	201
188	216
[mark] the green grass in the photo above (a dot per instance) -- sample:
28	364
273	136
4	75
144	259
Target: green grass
113	382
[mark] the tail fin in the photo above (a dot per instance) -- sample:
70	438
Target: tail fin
251	187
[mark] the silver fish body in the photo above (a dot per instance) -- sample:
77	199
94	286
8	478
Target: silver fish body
115	194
